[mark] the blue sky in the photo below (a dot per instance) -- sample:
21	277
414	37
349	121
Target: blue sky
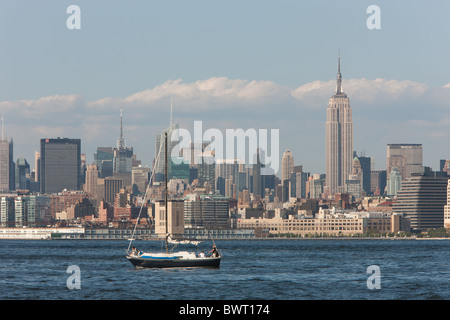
234	64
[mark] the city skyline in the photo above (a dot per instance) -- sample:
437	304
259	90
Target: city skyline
245	74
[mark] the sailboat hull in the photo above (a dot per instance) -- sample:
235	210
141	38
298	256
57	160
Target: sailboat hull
174	262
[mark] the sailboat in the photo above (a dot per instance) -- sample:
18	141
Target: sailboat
180	259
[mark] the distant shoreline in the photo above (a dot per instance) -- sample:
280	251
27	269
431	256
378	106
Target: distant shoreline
244	239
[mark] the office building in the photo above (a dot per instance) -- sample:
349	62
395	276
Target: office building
407	158
160	152
122	155
287	165
366	166
112	188
91	180
7	213
446	208
103	158
7	177
206	211
422	198
377	182
394	182
140	177
259	180
60	165
339	138
22	172
207	173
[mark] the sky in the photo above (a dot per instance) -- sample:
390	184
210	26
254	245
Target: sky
250	64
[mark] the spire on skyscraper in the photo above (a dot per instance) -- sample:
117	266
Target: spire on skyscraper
121	141
339	89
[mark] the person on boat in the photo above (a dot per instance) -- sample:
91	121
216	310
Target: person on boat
134	251
202	254
214	252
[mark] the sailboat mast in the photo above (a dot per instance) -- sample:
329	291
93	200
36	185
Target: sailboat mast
165	193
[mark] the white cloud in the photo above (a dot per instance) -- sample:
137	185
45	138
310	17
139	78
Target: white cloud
384	111
43	107
360	91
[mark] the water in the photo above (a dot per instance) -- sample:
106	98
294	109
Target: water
266	269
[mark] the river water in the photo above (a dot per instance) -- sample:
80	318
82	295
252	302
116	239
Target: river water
250	270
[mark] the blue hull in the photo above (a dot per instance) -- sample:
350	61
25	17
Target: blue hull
174	263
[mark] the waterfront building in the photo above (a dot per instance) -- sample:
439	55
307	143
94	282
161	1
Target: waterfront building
38	210
7	212
174	219
7	177
407	158
20	212
446	208
42	233
329	223
422	198
339	138
60	165
210	211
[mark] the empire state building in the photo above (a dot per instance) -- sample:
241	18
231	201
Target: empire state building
339	138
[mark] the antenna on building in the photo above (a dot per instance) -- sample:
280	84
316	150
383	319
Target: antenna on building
121	142
339	76
121	132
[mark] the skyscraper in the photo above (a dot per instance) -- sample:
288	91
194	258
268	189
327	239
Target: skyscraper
422	198
406	157
7	177
172	131
339	138
22	173
287	165
122	156
446	207
60	165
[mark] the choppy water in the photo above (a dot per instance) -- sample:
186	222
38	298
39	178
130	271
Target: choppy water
266	269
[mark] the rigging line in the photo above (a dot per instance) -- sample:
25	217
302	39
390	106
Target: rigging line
146	192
